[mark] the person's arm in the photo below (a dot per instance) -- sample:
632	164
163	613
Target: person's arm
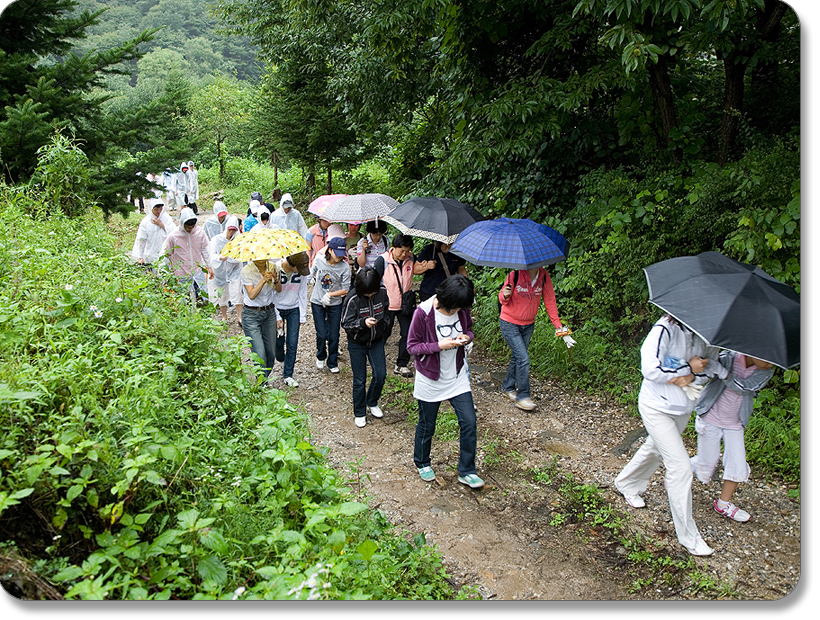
351	321
345	286
361	250
549	301
416	342
303	300
751	384
254	289
505	294
653	352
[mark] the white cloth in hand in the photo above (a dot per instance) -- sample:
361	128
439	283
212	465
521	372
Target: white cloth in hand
326	299
570	341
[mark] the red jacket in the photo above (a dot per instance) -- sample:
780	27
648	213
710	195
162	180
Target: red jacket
523	304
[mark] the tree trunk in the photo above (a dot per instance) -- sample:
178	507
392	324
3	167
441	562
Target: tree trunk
734	72
734	67
275	169
221	160
329	180
311	180
665	104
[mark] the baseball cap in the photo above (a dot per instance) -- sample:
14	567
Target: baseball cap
338	245
257	196
301	262
220	208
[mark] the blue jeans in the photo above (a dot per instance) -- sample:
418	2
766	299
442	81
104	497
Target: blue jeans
359	355
518	372
286	344
426	427
327	320
259	325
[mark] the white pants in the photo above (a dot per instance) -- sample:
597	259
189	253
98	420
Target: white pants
221	296
735	467
664	445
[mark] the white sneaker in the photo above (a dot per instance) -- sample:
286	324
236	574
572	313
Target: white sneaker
335	370
636	501
291	382
376	412
512	395
320	364
700	548
733	512
360	421
526	404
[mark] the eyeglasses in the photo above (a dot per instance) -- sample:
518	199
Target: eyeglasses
448	331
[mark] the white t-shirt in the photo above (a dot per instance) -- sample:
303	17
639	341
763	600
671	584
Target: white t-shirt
250	275
450	383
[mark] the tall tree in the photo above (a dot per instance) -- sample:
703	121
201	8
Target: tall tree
46	87
218	111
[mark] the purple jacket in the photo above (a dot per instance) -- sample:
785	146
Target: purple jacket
422	342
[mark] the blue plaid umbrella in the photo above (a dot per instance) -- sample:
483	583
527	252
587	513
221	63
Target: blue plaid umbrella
359	208
511	244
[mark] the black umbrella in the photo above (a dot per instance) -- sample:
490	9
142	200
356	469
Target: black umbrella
730	305
440	219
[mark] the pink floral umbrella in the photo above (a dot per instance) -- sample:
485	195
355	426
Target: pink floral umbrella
318	206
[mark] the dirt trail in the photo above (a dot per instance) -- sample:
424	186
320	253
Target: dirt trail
499	539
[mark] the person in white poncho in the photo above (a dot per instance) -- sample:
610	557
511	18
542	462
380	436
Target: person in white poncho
217	223
151	234
288	218
186	190
225	286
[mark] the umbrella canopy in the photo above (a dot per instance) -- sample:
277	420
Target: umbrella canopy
359	208
318	206
730	305
511	243
265	243
440	219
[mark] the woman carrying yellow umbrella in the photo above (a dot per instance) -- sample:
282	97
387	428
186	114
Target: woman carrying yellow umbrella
260	282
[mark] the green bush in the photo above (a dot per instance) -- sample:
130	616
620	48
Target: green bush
142	456
245	176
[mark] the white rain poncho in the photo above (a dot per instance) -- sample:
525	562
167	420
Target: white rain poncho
292	220
212	227
186	185
261	223
151	236
224	270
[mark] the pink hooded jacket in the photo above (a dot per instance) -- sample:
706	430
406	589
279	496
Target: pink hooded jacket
187	251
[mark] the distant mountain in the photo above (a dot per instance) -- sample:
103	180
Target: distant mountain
188	40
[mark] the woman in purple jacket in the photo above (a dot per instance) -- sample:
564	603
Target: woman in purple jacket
440	328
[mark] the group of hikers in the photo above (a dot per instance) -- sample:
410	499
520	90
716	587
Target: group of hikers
181	188
362	281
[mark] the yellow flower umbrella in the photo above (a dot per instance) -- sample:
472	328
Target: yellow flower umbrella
265	243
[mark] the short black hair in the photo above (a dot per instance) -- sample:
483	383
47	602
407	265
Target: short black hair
367	282
376	226
455	292
402	241
264	215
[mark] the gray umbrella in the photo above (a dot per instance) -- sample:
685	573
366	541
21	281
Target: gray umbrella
730	305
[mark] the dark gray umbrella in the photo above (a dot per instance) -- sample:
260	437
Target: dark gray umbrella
440	219
730	305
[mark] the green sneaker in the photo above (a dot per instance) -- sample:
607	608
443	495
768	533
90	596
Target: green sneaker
427	474
472	481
